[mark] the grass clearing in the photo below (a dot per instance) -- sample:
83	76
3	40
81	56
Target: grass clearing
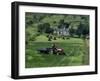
73	47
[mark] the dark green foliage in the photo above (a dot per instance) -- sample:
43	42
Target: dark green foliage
61	21
72	32
45	28
40	28
66	24
55	38
79	30
83	29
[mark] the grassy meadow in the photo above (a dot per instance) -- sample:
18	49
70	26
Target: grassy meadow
75	49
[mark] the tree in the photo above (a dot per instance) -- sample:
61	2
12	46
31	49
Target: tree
40	28
49	31
83	29
46	28
61	22
79	30
72	31
66	24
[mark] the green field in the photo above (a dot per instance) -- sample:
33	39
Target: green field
75	48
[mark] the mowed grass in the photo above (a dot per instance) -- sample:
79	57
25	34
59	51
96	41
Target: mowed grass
74	48
43	38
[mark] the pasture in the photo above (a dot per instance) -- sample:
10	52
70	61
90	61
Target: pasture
76	53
